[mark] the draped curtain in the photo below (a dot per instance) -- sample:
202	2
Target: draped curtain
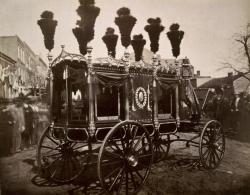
110	79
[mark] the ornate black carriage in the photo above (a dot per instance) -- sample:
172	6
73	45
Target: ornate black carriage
120	114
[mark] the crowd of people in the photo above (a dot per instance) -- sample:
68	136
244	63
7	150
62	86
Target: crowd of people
21	123
233	112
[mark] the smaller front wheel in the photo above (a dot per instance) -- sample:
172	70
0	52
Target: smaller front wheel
125	158
212	144
61	161
161	146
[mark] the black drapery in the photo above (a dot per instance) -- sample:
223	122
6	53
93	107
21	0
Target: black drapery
166	83
110	79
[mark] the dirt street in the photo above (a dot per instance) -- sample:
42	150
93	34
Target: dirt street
179	174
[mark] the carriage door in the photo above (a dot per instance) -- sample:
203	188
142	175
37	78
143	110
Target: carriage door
140	97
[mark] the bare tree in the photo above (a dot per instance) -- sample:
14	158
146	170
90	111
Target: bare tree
242	41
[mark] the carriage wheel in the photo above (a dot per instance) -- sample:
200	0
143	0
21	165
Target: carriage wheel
125	158
61	161
212	145
161	146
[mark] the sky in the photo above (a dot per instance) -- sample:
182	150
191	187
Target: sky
209	26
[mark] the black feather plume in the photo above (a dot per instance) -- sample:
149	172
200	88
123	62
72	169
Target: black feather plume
88	13
110	39
175	36
125	22
83	37
154	28
138	44
48	27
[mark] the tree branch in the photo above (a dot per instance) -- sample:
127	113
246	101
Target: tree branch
228	65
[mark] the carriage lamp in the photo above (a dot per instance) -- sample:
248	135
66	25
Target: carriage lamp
50	58
89	52
186	71
126	58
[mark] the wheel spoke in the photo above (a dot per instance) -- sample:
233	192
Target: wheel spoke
107	162
214	160
133	138
52	155
217	156
53	162
51	139
143	147
162	148
126	182
54	172
73	144
62	168
219	150
138	141
211	160
218	138
120	183
112	172
74	162
111	147
116	146
205	145
111	154
56	148
204	154
79	147
207	140
145	155
207	156
116	178
137	172
122	143
132	178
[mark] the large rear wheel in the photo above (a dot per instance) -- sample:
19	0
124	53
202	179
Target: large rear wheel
125	158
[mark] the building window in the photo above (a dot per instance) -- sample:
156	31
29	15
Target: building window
18	52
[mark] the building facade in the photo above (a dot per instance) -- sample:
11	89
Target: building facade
242	84
7	67
26	71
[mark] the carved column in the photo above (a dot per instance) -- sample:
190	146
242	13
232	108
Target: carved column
67	94
91	92
126	59
155	99
51	84
177	105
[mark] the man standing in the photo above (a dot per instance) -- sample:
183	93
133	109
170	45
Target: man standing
220	106
235	112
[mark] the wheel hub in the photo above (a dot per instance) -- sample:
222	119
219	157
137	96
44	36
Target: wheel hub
66	150
132	160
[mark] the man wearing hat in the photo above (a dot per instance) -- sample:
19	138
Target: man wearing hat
221	106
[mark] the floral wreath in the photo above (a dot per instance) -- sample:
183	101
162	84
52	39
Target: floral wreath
140	97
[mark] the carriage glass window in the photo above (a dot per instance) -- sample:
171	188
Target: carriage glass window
78	102
108	102
166	102
59	98
76	110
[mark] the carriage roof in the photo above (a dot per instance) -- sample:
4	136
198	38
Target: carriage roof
165	68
